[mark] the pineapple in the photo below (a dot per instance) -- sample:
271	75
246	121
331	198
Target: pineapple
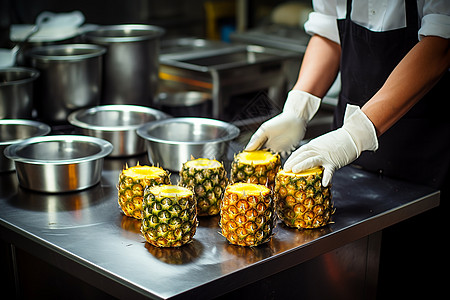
208	179
169	215
247	216
301	200
258	167
132	183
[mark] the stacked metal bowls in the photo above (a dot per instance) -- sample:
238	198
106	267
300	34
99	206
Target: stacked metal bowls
172	142
116	124
59	163
13	131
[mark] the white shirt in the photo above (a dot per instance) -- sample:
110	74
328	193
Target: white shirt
379	15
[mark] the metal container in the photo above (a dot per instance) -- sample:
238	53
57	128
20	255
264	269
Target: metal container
227	73
16	92
59	163
71	77
116	124
14	131
186	104
172	142
131	63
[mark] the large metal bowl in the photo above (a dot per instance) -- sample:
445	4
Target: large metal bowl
172	142
59	163
116	124
14	131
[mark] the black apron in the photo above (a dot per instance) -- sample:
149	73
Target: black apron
417	147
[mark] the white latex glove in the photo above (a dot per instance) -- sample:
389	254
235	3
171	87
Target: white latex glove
337	148
284	132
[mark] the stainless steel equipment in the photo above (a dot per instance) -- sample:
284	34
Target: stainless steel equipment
131	63
59	163
14	131
226	72
116	124
16	92
172	142
70	79
83	237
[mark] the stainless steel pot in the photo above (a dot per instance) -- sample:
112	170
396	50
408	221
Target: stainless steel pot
172	142
116	124
71	77
14	131
59	163
131	66
16	92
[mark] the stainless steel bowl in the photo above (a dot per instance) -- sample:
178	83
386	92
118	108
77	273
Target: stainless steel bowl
116	124
14	131
172	142
59	163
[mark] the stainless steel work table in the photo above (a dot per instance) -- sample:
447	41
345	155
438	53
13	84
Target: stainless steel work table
86	235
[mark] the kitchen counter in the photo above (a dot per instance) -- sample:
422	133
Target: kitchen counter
84	234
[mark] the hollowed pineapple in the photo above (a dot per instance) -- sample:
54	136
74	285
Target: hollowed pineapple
208	179
258	167
301	200
247	216
131	186
169	215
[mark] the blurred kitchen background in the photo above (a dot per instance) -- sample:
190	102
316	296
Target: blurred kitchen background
276	26
178	17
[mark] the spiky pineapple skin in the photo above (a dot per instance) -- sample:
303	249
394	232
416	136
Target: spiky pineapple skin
255	172
301	201
208	184
131	190
168	221
247	219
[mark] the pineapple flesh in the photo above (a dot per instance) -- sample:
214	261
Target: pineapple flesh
208	179
169	215
259	167
247	216
301	200
131	186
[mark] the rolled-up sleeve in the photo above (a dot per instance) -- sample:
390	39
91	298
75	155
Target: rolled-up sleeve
435	19
322	21
437	25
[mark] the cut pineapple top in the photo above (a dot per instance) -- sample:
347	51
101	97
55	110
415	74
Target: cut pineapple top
312	171
256	157
249	189
141	172
203	163
171	191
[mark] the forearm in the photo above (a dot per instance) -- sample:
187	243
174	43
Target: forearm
413	77
319	67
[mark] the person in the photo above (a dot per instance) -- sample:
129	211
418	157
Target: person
391	116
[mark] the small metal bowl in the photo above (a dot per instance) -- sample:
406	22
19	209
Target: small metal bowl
14	131
59	163
116	124
172	142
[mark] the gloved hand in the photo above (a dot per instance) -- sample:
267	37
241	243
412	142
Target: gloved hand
284	132
337	148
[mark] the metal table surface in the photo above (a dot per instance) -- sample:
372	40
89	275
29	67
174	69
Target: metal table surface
85	234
